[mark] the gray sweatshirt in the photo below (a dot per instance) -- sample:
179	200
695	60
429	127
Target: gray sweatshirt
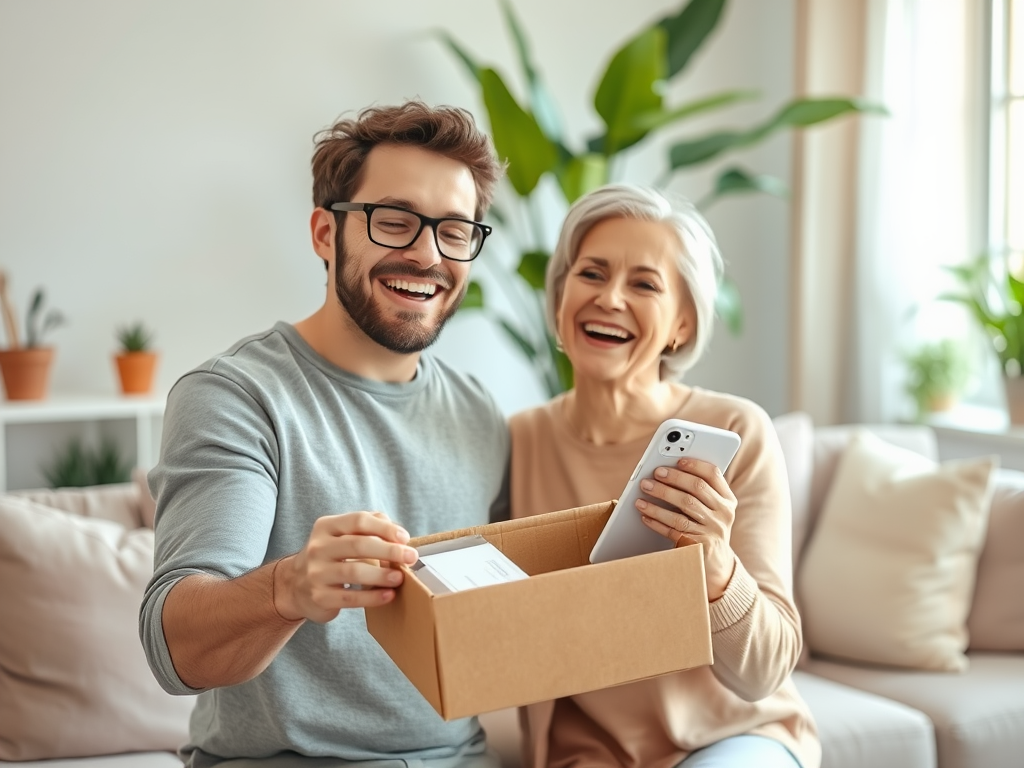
258	443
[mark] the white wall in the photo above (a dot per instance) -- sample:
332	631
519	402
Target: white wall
154	161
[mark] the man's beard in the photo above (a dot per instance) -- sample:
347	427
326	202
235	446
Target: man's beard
405	335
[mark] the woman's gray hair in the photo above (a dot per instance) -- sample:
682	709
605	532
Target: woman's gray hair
699	260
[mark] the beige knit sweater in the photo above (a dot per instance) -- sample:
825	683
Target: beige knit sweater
755	626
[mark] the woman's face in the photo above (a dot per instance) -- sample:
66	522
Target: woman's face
624	301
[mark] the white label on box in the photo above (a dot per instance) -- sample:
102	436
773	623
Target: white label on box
480	564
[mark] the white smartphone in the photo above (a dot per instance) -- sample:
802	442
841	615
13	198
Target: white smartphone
625	534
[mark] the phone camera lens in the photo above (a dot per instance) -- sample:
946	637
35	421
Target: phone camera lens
673	436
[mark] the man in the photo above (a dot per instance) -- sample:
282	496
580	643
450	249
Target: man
295	461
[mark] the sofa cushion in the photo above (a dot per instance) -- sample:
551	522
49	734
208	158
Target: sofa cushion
996	621
133	760
831	442
118	502
859	729
888	575
978	715
73	677
796	436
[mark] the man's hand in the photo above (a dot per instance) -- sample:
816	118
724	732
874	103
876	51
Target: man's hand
345	564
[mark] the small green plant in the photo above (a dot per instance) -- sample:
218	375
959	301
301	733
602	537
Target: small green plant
76	465
37	323
135	337
937	372
994	296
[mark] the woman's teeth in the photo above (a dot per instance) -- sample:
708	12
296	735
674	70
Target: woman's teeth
606	330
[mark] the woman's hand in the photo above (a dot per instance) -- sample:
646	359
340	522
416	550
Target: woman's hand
704	512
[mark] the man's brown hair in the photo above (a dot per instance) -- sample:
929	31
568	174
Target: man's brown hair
341	150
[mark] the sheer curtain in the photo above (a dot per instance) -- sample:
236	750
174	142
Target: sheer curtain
921	196
881	203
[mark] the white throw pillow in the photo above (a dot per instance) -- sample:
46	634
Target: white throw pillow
74	680
889	571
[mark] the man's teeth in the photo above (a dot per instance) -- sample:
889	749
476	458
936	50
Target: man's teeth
404	285
605	330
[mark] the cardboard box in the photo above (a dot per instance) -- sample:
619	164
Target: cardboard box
571	627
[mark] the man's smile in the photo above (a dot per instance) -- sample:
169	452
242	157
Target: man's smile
420	291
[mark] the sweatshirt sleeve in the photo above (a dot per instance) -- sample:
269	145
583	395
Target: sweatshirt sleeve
216	490
755	626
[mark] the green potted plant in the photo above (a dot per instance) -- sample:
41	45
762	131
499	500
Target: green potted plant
629	101
136	361
76	465
994	295
25	364
937	373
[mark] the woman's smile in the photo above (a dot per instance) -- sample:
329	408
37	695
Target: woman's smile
624	302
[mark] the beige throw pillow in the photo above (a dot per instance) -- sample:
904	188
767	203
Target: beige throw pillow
74	680
888	574
996	622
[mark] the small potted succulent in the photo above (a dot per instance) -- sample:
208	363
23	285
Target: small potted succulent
25	363
938	372
136	361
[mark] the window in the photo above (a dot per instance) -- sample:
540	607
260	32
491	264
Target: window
1006	214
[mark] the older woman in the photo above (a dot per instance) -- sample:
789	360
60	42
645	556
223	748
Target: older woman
631	293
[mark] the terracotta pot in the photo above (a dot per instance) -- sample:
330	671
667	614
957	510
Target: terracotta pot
1013	386
26	372
941	403
135	370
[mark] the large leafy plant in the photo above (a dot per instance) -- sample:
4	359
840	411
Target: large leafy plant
629	100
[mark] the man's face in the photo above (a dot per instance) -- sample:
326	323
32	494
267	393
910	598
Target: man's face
402	298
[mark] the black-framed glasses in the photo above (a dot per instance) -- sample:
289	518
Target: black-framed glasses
396	227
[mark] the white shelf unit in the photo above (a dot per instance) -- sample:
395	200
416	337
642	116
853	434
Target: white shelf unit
85	413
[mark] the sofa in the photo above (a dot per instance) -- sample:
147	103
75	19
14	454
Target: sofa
75	691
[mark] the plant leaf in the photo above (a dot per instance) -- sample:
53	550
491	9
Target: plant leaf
630	87
688	29
33	336
516	134
541	102
1016	289
737	181
521	341
686	153
474	298
650	121
532	268
801	113
559	377
798	113
582	174
460	53
70	467
729	306
497	214
108	464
